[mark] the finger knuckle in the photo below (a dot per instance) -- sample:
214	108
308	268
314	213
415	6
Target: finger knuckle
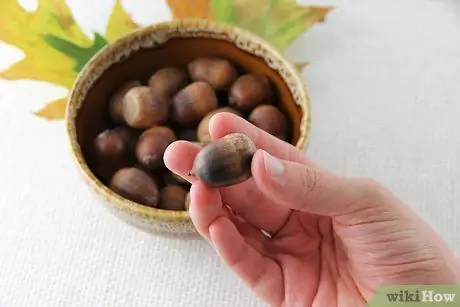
308	180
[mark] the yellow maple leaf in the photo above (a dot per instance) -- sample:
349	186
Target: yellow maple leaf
55	47
54	110
120	23
25	31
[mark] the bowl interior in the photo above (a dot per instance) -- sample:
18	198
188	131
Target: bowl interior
92	117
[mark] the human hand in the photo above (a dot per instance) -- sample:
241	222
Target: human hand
334	240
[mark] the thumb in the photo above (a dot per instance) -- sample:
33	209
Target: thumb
313	190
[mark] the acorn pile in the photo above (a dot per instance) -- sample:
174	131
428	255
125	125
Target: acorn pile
176	104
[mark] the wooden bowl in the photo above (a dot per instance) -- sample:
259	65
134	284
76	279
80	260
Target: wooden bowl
136	56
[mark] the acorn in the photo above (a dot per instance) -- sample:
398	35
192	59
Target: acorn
110	152
135	185
270	119
130	136
187	201
173	197
115	102
219	73
143	109
226	161
152	145
203	127
192	103
187	135
249	91
168	81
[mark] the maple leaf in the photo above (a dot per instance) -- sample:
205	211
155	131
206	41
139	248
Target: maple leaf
54	110
120	23
55	48
25	31
278	21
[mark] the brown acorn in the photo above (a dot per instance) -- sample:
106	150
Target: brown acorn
135	185
226	161
143	109
151	146
168	81
192	103
270	119
130	136
115	102
219	73
249	91
173	197
203	127
110	152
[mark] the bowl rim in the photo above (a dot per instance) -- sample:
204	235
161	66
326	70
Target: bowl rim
205	24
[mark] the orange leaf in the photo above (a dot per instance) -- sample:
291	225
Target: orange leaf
321	11
189	9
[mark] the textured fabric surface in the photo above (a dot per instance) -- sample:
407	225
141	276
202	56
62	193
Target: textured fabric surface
384	82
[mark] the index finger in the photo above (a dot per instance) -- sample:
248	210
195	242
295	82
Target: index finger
222	124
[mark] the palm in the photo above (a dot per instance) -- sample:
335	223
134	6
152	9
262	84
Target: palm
309	260
310	266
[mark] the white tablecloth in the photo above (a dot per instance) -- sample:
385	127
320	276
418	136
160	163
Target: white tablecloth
384	80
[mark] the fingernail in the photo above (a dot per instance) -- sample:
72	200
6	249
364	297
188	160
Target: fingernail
273	166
